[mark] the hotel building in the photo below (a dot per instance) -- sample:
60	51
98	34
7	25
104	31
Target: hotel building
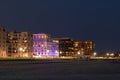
44	46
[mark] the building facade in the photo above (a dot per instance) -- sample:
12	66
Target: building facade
52	49
43	46
65	46
20	44
3	47
84	48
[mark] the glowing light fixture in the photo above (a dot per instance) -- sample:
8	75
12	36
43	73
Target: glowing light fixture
94	53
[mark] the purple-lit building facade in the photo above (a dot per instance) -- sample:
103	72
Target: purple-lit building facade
43	46
52	49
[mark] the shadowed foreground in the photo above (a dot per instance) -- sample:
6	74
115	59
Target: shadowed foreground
59	70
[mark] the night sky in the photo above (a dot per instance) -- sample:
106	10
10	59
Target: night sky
96	20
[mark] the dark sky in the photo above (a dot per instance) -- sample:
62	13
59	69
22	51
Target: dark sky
97	20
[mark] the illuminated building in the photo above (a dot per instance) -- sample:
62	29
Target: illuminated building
3	41
65	46
20	44
44	47
40	44
84	48
52	49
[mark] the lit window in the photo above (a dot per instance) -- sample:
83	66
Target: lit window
60	52
39	37
42	37
76	44
86	42
25	41
91	42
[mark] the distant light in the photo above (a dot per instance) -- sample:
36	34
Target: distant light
15	51
36	56
23	50
119	54
107	54
82	49
60	52
112	54
56	41
42	45
78	52
25	41
56	51
48	51
20	49
25	55
94	53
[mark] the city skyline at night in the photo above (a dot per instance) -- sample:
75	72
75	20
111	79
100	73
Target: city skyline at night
96	49
27	44
81	20
59	40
